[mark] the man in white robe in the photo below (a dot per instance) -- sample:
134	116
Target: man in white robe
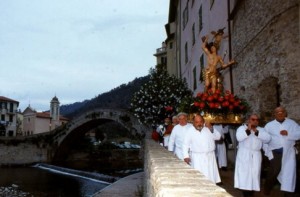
199	149
221	153
178	134
250	139
281	152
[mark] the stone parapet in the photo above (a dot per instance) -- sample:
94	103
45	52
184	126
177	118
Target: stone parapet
22	154
167	176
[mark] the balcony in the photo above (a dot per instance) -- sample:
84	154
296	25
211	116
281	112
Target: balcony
161	50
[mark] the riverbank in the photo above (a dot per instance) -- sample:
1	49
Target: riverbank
130	186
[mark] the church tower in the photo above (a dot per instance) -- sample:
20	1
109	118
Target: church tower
54	110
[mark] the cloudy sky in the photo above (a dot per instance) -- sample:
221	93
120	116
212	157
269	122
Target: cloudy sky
76	49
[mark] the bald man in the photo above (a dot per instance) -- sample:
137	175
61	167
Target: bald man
281	151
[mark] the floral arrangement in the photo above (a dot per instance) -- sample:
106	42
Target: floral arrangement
219	103
222	107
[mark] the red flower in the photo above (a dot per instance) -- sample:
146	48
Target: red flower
225	104
168	108
216	96
221	99
236	103
204	95
218	91
218	102
211	105
232	100
202	105
217	105
210	98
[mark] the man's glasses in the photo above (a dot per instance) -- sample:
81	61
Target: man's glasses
254	119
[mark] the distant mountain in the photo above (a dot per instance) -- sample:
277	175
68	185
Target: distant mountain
117	98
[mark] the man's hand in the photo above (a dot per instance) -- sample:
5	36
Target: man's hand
187	160
208	124
284	132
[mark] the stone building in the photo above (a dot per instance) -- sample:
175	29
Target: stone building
265	43
39	122
8	112
262	36
188	22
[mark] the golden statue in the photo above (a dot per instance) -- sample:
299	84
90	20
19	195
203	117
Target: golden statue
213	59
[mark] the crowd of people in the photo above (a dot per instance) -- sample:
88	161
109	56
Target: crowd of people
201	145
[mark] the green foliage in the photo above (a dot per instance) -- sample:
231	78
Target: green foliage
159	97
117	98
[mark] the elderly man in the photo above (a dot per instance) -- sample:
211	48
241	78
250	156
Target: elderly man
178	134
248	160
281	152
199	149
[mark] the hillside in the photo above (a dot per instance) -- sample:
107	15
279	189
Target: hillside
119	97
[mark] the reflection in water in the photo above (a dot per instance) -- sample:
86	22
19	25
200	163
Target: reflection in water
42	183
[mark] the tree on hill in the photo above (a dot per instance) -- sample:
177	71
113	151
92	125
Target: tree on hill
159	97
117	98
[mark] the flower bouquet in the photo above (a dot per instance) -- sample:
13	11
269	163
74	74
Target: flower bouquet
219	107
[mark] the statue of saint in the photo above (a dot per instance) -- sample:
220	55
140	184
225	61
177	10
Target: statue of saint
213	59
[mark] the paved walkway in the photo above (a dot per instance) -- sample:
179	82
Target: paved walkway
130	186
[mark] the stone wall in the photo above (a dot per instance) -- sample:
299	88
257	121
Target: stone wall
265	43
22	154
167	176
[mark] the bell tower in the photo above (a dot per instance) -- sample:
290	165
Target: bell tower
54	110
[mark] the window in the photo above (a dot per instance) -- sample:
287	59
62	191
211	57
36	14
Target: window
28	119
2	117
201	78
11	107
193	33
185	16
200	18
186	52
195	78
171	45
11	118
10	133
163	60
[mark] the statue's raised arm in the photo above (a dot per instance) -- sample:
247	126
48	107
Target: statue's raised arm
213	59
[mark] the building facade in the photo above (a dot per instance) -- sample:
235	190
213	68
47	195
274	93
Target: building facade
8	112
39	122
265	44
261	36
188	22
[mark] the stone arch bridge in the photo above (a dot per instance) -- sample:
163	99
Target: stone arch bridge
53	146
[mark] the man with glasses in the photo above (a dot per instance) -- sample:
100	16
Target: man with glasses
250	139
281	152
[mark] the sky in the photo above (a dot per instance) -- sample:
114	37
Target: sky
76	49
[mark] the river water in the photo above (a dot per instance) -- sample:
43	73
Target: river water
37	182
